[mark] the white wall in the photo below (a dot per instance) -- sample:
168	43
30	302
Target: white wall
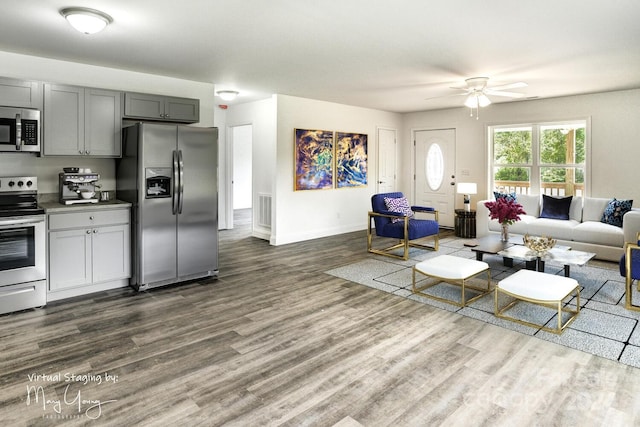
615	131
50	70
261	115
303	215
242	167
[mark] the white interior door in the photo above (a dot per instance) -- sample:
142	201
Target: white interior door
435	172
386	160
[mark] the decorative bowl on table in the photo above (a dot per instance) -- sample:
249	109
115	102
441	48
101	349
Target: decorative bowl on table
538	244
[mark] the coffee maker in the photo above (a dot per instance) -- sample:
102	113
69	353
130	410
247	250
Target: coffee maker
78	187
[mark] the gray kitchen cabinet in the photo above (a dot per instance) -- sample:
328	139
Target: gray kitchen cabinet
82	121
88	249
158	107
20	93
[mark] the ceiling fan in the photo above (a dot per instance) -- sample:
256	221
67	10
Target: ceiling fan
476	90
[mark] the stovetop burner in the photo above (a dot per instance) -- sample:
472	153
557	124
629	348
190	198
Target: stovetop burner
19	196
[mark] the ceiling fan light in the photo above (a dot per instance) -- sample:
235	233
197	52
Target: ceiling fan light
85	20
228	95
483	100
471	101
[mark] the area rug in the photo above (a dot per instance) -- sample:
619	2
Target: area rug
603	328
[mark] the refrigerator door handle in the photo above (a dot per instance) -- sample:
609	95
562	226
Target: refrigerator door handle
176	177
181	182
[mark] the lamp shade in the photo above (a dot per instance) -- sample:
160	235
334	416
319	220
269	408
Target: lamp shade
483	101
467	188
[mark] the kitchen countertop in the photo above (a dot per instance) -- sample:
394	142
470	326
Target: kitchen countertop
57	207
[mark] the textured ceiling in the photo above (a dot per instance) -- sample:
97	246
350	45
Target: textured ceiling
388	55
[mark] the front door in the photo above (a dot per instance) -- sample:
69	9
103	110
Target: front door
435	172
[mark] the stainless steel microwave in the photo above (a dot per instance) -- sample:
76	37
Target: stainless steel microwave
19	130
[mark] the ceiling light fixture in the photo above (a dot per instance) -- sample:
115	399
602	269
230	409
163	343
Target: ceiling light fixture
475	100
228	95
85	20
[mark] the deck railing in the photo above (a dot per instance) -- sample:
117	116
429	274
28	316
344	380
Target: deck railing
549	188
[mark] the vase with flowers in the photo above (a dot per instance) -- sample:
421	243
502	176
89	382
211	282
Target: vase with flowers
506	211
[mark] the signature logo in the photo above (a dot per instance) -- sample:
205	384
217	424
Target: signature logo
73	400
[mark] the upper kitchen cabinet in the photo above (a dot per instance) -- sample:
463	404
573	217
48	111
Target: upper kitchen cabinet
82	121
20	93
164	108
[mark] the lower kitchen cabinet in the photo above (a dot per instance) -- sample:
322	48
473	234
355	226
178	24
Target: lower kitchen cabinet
89	251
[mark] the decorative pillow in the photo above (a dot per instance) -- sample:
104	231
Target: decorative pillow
506	196
615	210
398	205
555	207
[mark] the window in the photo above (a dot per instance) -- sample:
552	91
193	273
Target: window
546	158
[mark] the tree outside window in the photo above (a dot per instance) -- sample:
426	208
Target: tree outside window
558	169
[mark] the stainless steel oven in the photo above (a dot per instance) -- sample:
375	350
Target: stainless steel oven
19	130
23	270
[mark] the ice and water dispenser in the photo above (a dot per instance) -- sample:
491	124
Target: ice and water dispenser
158	182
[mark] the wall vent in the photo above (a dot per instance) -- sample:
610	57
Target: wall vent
264	210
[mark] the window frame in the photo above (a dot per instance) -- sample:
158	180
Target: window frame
535	166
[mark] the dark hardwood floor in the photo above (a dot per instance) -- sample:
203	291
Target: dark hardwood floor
275	341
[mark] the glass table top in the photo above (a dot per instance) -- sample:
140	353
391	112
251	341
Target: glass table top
560	254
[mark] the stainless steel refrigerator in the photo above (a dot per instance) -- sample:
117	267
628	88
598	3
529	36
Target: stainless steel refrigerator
170	175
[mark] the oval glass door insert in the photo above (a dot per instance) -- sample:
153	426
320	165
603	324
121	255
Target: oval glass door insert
434	167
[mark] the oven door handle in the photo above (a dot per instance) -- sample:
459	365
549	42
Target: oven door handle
11	292
9	223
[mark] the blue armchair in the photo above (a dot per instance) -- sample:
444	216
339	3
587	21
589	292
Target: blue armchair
630	270
407	230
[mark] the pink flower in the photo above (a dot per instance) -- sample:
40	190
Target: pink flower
505	211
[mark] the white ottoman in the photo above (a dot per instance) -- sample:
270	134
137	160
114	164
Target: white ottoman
539	288
453	270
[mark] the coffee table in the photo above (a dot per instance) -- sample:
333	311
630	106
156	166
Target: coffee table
561	254
492	245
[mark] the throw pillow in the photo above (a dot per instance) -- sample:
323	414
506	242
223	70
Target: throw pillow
615	210
555	207
506	196
398	205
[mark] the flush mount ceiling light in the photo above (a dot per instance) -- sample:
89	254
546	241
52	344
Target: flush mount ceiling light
85	20
228	95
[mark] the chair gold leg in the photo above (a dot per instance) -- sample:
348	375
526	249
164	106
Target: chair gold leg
628	297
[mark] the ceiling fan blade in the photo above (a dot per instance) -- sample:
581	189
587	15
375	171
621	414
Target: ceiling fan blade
501	93
445	96
509	86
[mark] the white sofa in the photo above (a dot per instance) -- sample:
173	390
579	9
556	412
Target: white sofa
582	231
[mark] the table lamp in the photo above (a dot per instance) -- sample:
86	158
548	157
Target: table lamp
467	188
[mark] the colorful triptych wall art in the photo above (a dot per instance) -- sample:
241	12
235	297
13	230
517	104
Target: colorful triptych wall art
324	160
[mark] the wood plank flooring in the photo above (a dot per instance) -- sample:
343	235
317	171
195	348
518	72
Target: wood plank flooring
275	341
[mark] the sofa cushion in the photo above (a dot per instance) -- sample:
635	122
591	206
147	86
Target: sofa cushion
509	196
575	211
556	228
530	204
598	233
615	210
593	208
555	207
518	227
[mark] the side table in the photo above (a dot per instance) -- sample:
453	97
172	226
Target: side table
465	224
